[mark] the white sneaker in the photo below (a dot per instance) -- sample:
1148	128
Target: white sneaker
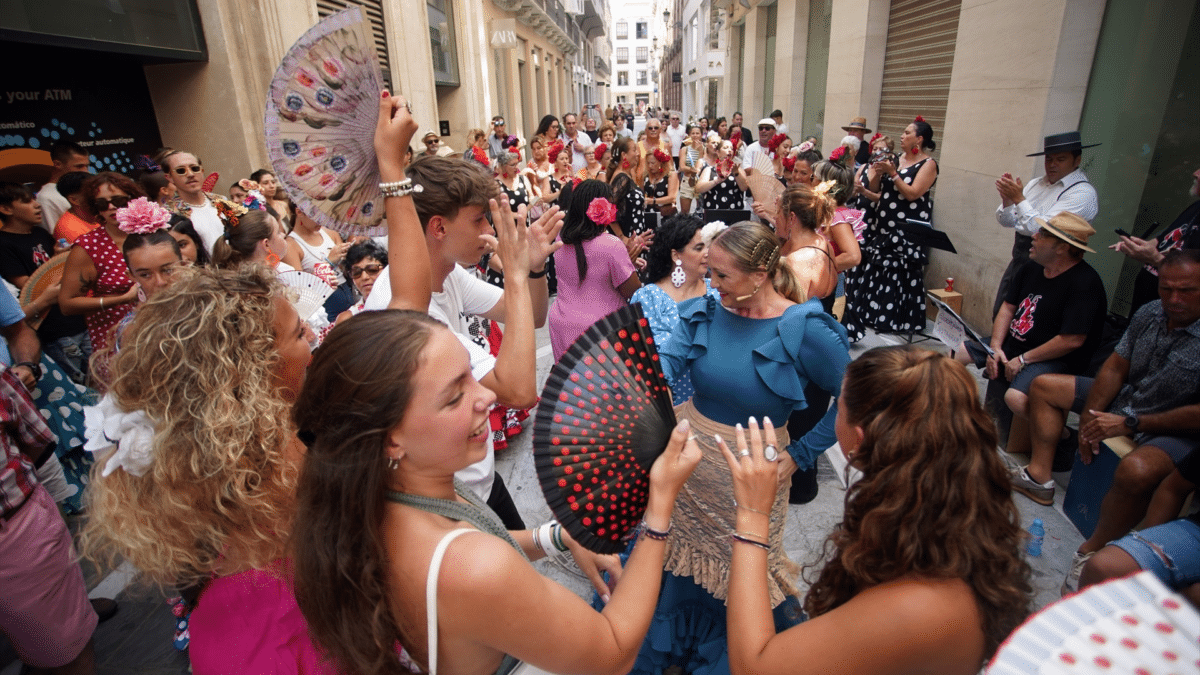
1071	584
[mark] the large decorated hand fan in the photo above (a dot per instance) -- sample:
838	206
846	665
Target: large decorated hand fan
320	125
604	417
762	181
1130	625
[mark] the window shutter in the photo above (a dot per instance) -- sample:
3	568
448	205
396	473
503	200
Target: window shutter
373	10
917	64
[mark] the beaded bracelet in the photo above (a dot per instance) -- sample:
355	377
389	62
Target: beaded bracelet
651	533
548	539
400	188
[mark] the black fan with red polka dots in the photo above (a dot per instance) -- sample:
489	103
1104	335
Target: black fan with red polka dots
604	417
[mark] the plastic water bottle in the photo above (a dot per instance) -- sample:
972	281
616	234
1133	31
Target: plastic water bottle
1036	534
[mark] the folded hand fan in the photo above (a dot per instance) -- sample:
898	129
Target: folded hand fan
210	182
1130	625
762	181
605	415
320	125
307	292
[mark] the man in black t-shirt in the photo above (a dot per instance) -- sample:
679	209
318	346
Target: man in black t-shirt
1050	322
24	247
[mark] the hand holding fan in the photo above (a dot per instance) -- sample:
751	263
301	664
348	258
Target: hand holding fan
307	292
604	417
320	125
762	182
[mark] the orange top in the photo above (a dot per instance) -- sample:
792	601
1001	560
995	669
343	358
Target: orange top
71	226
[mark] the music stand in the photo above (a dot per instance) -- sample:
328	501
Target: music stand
921	233
727	216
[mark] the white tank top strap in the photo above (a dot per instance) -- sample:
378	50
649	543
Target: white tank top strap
431	582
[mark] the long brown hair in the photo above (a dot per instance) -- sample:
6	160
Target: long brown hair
356	391
934	499
240	241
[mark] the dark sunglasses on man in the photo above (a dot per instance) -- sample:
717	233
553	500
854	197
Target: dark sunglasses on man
185	170
101	204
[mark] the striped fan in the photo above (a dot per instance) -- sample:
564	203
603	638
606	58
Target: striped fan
604	417
762	181
307	292
320	125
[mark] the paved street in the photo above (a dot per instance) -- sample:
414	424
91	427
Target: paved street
138	639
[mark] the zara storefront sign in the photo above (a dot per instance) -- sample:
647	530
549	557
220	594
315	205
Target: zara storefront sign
504	34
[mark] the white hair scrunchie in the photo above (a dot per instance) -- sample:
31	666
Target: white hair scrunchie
131	433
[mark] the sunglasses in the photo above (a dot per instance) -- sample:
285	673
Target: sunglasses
356	272
102	203
765	128
185	170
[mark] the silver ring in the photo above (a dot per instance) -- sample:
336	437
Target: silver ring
770	453
408	106
744	453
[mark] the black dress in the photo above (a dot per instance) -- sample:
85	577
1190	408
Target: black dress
886	291
521	195
723	195
631	214
657	190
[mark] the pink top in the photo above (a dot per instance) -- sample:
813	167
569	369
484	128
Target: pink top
112	279
250	623
579	306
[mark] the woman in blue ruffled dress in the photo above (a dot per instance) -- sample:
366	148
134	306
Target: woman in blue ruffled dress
750	353
676	265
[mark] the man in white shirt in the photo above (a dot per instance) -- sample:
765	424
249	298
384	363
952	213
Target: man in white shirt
577	141
66	157
1063	188
453	207
619	123
676	132
184	171
766	129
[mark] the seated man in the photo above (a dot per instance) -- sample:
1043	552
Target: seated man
1170	550
1147	389
1049	322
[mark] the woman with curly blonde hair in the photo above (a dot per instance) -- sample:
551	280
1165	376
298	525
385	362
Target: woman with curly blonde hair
926	573
198	460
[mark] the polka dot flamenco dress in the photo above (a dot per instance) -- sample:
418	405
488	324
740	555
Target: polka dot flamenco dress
724	195
886	292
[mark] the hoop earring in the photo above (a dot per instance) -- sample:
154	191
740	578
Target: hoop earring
392	463
678	277
272	259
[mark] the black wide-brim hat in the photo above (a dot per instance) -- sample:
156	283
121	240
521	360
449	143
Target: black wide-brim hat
1067	142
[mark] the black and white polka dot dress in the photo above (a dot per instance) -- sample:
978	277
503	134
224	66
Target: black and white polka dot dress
631	214
657	190
519	195
723	195
886	291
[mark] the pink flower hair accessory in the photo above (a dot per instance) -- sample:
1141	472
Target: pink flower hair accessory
601	211
805	146
142	216
255	200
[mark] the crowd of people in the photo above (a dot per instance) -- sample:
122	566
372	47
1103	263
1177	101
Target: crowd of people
320	487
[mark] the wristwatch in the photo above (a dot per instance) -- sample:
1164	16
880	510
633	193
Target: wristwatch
1131	423
35	368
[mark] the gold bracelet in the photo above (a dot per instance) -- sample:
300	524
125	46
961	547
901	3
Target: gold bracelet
743	506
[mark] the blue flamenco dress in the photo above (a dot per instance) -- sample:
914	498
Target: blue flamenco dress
740	367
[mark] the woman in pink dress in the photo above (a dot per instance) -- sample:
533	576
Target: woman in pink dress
595	273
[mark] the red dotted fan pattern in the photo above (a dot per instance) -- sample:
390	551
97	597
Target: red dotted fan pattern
605	415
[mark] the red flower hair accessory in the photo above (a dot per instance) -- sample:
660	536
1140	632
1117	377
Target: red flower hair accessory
773	144
919	119
142	216
837	154
600	150
789	163
661	156
555	150
601	211
875	138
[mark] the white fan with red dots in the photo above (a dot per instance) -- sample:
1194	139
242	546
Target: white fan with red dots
1132	626
605	415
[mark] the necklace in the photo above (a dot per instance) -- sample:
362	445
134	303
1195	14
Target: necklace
475	512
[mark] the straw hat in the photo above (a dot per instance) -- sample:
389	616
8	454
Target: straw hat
1070	228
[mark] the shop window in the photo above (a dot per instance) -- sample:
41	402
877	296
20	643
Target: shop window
442	44
643	30
622	78
622	54
622	30
643	54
